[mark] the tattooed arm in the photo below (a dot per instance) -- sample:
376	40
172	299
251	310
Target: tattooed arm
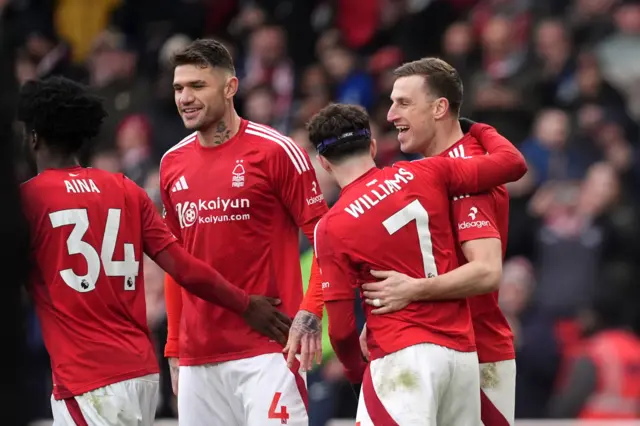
307	331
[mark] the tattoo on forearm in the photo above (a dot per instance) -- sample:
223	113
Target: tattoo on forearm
307	323
223	133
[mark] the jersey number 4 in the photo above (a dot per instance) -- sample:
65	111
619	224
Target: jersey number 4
400	219
127	268
282	414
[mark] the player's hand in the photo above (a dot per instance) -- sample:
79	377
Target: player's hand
174	370
363	343
393	293
263	316
306	333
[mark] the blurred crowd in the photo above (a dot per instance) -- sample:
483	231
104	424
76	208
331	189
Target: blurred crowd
560	79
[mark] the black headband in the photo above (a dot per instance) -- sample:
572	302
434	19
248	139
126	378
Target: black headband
343	138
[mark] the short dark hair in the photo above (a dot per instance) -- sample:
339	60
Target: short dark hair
205	53
61	111
441	78
335	120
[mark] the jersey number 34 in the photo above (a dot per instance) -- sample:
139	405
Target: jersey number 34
127	268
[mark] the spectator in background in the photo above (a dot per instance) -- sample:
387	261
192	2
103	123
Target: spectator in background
592	88
133	141
161	109
49	55
604	379
537	350
267	64
619	54
112	66
352	84
590	20
258	107
582	228
554	52
547	151
516	11
458	49
315	93
503	92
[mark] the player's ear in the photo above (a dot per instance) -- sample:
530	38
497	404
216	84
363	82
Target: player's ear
34	140
373	148
323	162
440	108
231	88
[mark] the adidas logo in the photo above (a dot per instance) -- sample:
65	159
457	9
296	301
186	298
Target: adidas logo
180	185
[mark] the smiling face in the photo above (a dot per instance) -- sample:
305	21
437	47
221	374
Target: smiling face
201	94
412	113
426	96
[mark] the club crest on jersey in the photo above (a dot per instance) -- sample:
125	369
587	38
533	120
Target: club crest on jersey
237	179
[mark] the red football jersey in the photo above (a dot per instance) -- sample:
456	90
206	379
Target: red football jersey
484	215
239	207
89	230
398	218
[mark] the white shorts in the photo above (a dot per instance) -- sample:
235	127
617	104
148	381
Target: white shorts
498	396
424	384
253	391
128	403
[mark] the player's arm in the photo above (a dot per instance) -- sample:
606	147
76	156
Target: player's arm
172	291
313	301
503	164
479	276
298	189
475	223
173	306
300	192
339	297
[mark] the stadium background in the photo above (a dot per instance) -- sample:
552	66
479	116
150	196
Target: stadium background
561	79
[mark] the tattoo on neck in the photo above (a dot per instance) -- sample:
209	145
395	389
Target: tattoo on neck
223	133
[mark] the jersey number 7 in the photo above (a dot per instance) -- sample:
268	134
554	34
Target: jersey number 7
416	211
127	268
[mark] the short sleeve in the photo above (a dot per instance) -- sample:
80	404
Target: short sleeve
296	182
475	217
168	212
338	281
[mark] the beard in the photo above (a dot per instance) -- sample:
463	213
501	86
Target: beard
210	121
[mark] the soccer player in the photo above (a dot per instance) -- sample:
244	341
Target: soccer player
427	96
423	369
236	193
89	231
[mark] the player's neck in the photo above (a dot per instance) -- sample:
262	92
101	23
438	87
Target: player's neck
352	169
447	134
56	162
221	131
